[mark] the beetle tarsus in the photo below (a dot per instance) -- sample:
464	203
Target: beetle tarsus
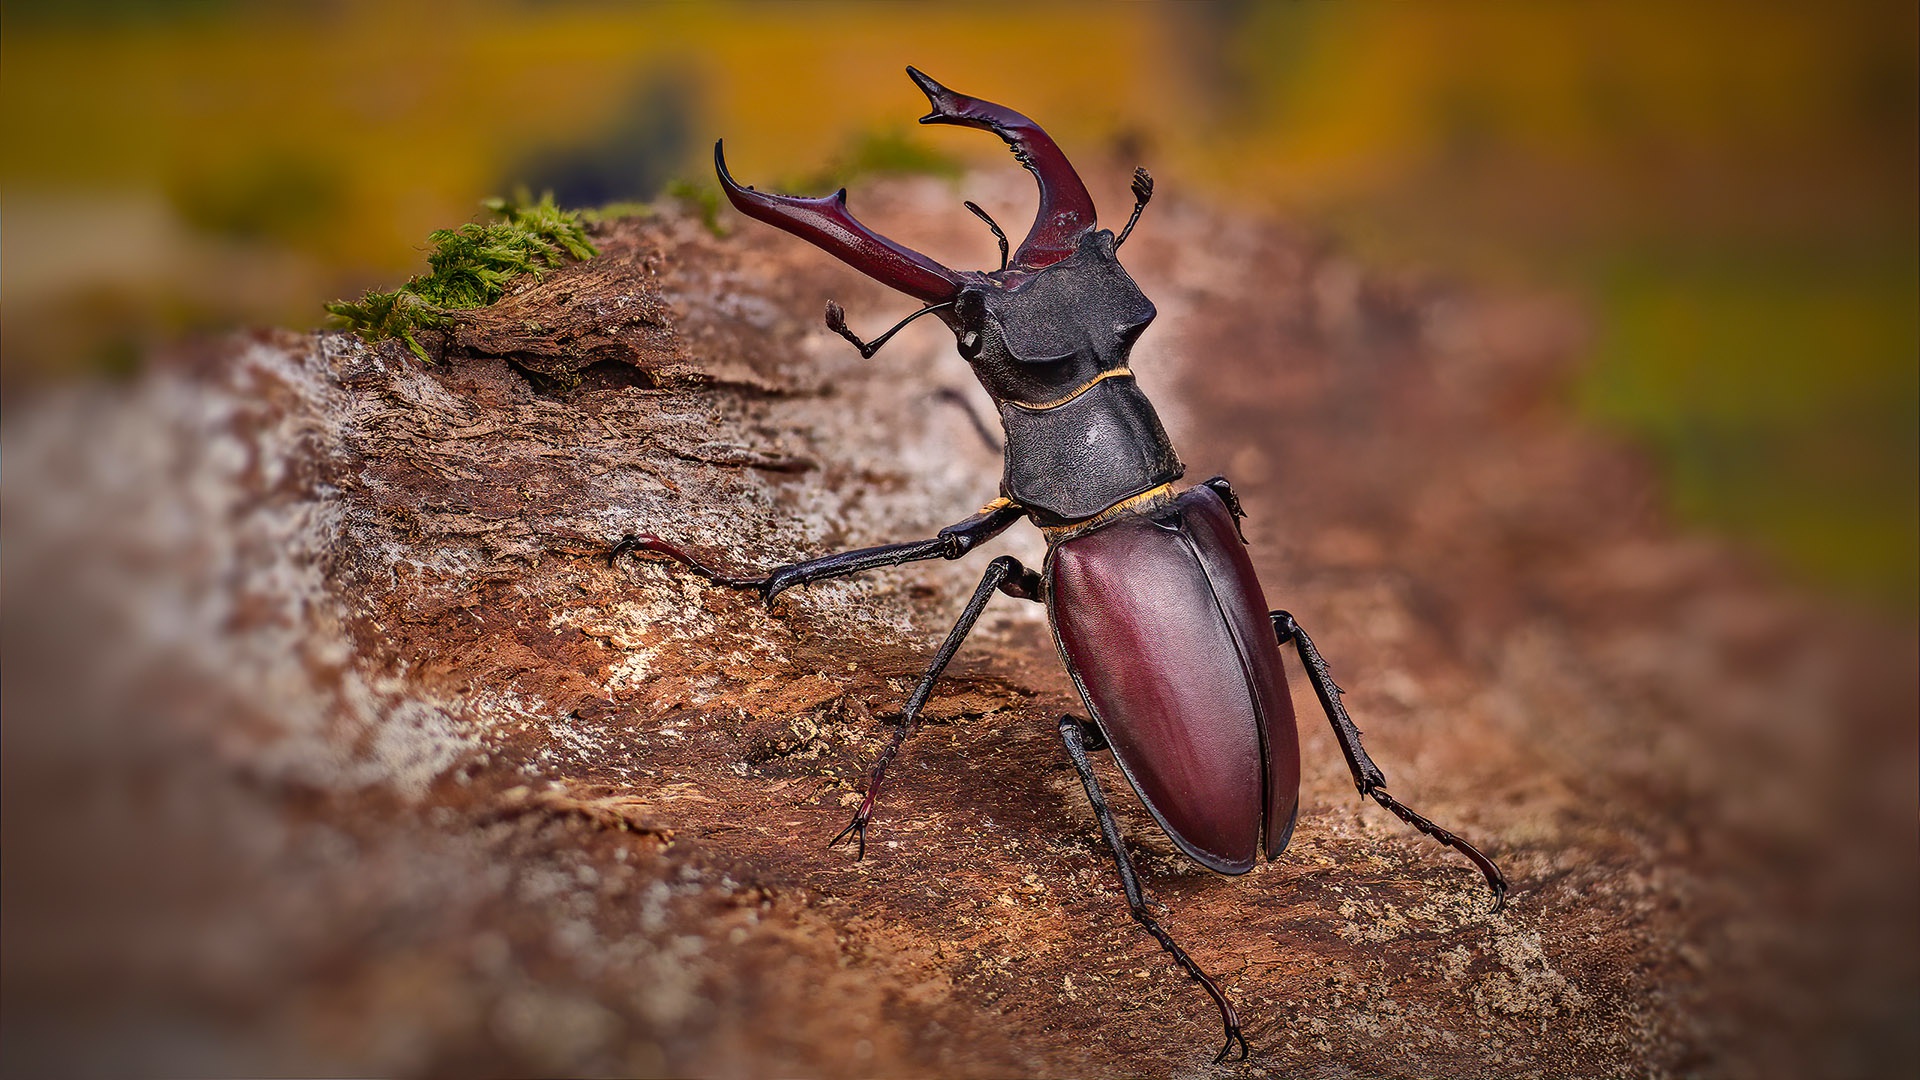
857	828
1496	880
1072	733
633	542
1367	776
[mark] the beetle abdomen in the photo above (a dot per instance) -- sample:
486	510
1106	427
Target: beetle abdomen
1164	628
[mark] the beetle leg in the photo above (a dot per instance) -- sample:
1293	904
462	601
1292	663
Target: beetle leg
1091	736
1071	734
1224	488
1004	574
1366	775
953	542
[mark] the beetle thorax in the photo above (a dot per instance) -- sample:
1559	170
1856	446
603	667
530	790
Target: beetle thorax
1051	346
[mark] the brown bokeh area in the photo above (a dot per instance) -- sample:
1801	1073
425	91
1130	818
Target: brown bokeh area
1564	363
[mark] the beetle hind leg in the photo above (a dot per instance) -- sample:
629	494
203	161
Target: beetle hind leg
1004	574
1366	775
1091	737
1235	1048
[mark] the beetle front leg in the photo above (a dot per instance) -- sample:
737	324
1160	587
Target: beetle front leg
953	542
1004	574
1071	734
1366	775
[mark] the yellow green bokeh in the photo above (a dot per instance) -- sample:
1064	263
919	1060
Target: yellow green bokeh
1731	187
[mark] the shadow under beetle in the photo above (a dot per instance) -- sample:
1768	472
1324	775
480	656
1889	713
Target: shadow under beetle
1151	597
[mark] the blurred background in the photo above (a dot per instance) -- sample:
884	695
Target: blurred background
1728	189
1723	196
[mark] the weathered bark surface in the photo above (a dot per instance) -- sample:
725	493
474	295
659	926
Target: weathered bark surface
606	311
333	743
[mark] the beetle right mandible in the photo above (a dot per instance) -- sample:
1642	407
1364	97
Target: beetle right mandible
1153	602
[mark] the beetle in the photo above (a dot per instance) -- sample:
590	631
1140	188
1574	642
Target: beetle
1150	594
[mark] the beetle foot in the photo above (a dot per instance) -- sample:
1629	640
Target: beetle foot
1236	1048
857	828
1496	880
786	577
629	542
648	542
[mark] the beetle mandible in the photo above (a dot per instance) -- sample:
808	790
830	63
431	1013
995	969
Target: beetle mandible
1151	597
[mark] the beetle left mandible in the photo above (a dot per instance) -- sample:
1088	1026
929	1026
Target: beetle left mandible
1154	605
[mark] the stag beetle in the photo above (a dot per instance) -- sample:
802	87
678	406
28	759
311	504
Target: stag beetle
1150	594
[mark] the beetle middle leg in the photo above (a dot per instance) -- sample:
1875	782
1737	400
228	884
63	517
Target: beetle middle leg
1004	574
1366	775
1072	734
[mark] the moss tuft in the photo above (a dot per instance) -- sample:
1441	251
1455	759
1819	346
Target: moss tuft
470	267
703	196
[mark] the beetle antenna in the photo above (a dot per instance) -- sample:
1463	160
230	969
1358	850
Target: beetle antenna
837	322
991	224
1142	194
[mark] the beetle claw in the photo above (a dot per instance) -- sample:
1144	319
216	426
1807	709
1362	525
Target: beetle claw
778	582
858	829
1235	1041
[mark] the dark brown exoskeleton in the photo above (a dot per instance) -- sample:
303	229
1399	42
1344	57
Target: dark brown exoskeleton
1153	602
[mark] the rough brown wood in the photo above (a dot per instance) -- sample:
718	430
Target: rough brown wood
333	743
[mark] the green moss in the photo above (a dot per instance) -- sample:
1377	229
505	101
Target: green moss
470	267
614	211
702	195
888	152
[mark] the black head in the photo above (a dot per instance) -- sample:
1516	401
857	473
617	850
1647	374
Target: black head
1034	337
1060	311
